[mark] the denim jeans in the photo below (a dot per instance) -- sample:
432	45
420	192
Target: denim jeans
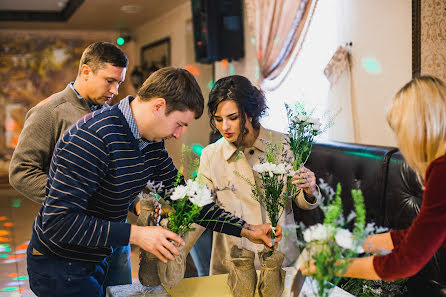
119	267
50	276
201	253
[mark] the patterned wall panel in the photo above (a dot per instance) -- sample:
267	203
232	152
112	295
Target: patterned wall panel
433	38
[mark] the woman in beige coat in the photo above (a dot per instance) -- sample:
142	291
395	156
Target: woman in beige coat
235	107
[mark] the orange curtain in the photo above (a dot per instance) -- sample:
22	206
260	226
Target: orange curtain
277	26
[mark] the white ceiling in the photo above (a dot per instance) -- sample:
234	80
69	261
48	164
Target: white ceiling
92	14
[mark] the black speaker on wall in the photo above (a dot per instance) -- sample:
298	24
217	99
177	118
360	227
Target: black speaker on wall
218	30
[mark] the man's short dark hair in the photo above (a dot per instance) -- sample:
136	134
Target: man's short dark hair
99	53
177	86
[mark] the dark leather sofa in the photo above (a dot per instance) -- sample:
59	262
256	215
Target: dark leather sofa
392	196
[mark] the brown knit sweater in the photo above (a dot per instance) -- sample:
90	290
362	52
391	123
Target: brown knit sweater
44	125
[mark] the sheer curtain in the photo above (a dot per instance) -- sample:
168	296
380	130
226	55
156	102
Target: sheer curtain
277	26
305	80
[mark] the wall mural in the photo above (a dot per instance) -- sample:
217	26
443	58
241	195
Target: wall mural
32	67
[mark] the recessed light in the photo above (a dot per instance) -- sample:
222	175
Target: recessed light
61	4
130	8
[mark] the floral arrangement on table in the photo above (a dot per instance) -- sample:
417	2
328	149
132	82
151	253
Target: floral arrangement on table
302	128
275	173
331	245
185	213
186	201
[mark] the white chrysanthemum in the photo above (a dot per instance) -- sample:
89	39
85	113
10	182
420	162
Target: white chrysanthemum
179	192
202	198
317	126
316	232
271	169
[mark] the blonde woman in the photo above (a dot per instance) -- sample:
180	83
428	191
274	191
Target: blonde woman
418	118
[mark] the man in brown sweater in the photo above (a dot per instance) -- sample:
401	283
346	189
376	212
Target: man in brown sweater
102	69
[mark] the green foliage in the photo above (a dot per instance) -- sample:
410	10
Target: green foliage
378	288
331	245
358	200
275	174
334	208
184	215
302	128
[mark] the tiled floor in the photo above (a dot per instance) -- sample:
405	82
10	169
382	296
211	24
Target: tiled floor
17	214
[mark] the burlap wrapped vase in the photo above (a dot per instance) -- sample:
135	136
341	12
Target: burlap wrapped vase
272	276
172	272
242	278
147	274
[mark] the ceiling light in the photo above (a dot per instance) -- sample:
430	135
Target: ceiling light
130	8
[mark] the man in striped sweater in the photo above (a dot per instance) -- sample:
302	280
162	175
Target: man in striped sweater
98	168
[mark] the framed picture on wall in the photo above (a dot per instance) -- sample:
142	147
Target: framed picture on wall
155	55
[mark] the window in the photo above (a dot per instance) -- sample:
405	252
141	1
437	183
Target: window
305	80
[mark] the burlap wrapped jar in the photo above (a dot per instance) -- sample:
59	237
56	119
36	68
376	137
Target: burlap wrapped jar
272	276
147	274
172	272
242	277
153	272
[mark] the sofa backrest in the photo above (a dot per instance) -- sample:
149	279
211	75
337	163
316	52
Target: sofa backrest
392	195
403	194
355	167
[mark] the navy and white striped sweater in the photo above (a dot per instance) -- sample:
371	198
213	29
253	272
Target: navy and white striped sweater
96	172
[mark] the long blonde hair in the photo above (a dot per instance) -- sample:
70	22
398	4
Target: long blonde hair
417	115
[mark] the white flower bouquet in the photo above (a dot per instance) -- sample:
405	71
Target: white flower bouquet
187	201
302	128
274	189
331	245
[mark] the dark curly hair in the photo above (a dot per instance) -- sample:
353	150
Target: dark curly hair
249	99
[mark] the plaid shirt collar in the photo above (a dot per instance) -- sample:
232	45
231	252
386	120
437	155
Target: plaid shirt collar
124	107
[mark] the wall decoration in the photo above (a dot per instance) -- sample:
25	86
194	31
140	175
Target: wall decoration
33	66
155	55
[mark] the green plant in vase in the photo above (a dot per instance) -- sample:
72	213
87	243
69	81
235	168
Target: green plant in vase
275	187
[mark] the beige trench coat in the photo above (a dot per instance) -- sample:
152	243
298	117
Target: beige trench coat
218	163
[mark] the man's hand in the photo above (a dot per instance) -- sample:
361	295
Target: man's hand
138	208
305	180
155	240
261	233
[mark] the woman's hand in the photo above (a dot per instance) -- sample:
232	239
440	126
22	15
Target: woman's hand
306	180
308	269
261	234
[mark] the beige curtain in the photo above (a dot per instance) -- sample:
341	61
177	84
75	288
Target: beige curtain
277	26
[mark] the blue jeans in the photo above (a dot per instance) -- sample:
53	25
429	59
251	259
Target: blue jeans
119	267
201	253
50	275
